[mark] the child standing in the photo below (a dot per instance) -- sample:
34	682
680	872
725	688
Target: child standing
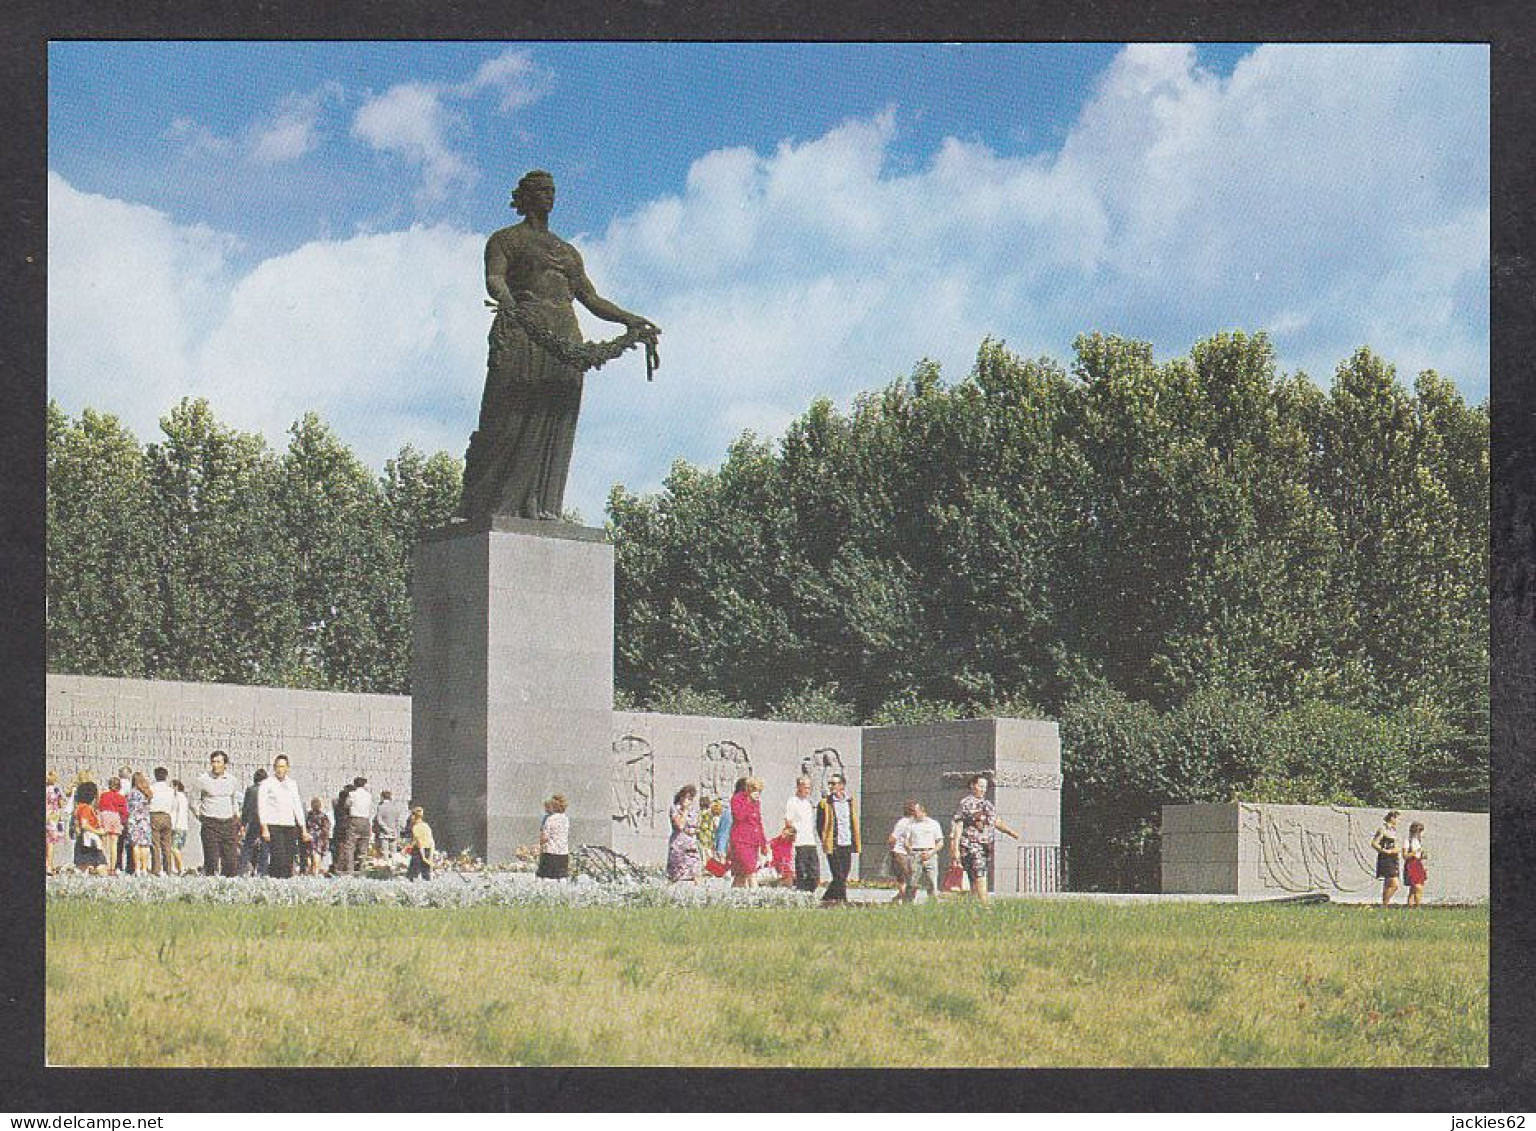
422	846
783	848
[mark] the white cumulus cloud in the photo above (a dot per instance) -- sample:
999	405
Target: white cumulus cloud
420	122
1334	196
382	334
292	130
514	77
412	121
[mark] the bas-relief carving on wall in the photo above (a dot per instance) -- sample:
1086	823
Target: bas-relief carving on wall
1006	778
720	765
634	782
1296	857
819	765
723	762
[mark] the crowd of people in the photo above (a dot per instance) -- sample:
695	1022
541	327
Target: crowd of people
136	825
727	837
139	823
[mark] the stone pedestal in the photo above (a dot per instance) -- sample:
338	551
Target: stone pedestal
512	683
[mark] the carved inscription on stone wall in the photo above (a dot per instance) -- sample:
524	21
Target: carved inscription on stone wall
634	782
178	734
722	764
77	742
1007	778
96	735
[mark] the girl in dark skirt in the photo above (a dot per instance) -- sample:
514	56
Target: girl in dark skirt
88	854
1388	856
555	842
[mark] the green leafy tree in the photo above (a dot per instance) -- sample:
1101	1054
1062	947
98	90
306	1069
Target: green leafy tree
812	704
226	609
347	575
102	593
421	493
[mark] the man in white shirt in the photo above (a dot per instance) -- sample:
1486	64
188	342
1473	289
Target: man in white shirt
216	804
280	809
924	838
162	801
800	811
352	848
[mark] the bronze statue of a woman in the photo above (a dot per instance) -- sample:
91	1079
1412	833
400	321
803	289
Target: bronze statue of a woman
520	453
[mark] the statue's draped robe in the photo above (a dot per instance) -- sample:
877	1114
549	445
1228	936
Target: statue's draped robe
519	455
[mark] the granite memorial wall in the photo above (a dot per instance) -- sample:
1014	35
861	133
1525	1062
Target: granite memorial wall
1256	851
99	724
653	756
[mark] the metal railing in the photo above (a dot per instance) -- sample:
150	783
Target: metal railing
1042	868
607	866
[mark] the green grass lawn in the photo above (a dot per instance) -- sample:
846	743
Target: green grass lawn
1020	984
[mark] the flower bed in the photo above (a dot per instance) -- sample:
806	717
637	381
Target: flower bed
449	889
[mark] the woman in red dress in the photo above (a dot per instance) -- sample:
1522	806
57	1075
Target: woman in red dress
749	843
112	808
1414	871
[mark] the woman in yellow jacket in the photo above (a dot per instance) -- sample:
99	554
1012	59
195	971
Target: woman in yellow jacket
422	846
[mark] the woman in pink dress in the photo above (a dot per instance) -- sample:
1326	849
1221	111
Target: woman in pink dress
749	843
54	822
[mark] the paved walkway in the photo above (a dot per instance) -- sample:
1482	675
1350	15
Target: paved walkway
1122	899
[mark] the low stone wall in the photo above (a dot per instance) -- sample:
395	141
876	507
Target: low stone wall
100	724
1257	850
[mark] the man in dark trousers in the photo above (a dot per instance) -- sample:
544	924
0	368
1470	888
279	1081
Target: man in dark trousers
216	801
800	811
354	839
280	807
254	852
838	821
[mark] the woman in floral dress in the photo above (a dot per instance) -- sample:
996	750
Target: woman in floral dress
684	861
318	822
53	819
972	835
138	823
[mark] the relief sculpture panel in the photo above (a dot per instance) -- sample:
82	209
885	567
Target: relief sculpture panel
1299	856
634	782
723	762
819	765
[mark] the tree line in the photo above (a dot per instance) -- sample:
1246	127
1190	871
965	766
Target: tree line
207	556
1224	581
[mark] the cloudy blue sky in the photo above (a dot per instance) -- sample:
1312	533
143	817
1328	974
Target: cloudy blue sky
286	226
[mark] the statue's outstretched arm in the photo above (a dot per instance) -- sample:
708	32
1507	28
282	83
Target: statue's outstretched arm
587	294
